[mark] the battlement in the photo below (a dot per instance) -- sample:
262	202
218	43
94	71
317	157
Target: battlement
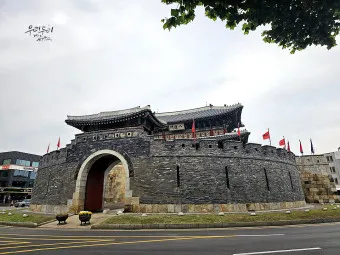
228	148
54	157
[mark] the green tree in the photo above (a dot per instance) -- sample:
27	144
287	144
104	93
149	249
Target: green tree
295	24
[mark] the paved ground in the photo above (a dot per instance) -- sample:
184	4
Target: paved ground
74	223
298	239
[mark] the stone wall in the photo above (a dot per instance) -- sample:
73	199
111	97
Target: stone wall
115	187
318	188
177	172
316	164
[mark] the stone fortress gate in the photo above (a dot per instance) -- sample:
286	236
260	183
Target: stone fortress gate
153	162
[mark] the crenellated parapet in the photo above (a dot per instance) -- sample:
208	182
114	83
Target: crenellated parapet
53	158
219	148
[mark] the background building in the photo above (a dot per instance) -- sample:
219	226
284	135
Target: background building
333	160
316	164
18	171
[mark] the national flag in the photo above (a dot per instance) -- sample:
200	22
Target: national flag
58	144
288	146
266	135
301	150
311	146
48	148
282	142
193	129
238	130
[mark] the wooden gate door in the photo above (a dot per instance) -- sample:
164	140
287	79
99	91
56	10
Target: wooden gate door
94	190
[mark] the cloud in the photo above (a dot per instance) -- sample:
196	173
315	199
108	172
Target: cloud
109	55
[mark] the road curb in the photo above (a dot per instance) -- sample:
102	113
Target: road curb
19	224
46	222
212	225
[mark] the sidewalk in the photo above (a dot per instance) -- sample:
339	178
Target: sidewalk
74	223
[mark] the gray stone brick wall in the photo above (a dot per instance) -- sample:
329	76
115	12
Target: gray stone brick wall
153	170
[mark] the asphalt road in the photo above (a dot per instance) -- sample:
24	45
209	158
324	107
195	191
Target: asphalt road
298	239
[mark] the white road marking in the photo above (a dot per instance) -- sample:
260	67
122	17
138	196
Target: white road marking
277	251
261	235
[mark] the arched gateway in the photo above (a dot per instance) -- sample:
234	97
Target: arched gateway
92	178
190	161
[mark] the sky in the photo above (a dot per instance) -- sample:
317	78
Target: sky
112	55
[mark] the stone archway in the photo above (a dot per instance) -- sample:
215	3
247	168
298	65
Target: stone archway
93	180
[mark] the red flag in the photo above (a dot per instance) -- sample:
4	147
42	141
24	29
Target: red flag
288	147
266	135
282	142
193	129
301	150
48	148
238	130
58	144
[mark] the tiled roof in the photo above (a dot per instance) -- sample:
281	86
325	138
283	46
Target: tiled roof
197	113
108	115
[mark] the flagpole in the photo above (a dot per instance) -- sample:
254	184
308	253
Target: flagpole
284	147
270	141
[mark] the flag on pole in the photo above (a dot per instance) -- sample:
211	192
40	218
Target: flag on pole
266	135
311	146
288	147
48	148
301	150
58	144
282	142
193	129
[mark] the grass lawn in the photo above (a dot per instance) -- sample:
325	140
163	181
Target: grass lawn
211	218
17	217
